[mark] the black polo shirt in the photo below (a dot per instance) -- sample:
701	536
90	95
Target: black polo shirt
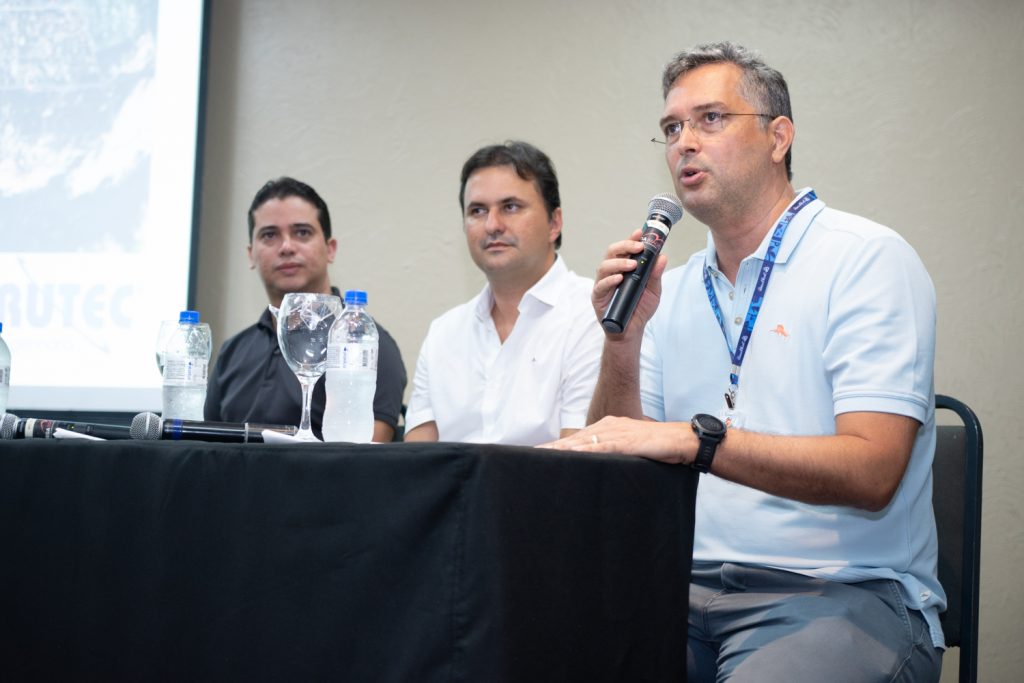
251	382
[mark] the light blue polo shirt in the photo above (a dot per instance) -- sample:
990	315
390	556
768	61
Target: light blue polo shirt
847	324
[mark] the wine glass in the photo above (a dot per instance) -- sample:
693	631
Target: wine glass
166	328
304	322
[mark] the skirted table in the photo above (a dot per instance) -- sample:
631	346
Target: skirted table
188	561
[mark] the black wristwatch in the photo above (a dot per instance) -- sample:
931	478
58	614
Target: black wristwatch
710	430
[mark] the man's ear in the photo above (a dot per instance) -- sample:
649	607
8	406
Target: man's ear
555	225
783	134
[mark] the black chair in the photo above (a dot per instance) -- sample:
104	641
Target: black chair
956	497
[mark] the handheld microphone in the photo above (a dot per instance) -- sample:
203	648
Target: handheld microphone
663	211
150	427
11	427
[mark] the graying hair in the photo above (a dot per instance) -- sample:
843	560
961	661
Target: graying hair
762	86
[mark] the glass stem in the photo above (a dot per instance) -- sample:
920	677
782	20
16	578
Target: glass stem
307	394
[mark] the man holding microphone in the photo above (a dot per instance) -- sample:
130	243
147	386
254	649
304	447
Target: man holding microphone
791	361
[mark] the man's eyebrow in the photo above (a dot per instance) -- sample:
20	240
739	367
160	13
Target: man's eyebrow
503	200
709	105
698	109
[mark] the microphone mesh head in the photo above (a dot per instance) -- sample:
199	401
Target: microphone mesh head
666	205
146	426
7	424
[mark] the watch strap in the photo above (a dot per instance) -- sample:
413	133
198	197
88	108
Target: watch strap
710	431
705	454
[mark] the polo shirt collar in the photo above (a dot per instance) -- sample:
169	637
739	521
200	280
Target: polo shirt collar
266	320
797	227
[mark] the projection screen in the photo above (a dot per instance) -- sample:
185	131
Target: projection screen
100	130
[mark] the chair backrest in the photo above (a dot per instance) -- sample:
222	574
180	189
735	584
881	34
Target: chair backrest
956	498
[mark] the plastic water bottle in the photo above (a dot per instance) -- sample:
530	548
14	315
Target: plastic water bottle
351	373
5	372
187	356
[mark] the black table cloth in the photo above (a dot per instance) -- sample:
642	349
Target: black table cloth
442	562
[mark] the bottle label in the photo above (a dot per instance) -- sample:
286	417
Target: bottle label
5	376
357	357
185	370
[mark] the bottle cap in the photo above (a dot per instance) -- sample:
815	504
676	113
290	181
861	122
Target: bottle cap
189	317
1	327
356	297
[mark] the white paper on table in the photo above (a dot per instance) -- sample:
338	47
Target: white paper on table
270	436
60	433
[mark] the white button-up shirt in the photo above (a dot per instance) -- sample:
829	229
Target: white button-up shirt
524	391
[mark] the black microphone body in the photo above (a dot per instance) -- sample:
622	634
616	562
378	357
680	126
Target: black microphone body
663	211
150	427
36	428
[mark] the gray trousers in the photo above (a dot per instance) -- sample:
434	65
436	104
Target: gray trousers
771	626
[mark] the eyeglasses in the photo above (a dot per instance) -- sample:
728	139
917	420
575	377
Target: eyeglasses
707	124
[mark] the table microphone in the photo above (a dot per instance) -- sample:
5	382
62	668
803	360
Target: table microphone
150	427
13	427
7	422
663	211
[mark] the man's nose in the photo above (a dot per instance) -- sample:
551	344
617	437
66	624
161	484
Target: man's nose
688	141
494	222
287	245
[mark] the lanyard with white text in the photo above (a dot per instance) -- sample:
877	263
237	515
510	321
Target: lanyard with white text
756	300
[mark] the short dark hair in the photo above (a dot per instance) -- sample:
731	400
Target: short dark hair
284	187
763	86
529	163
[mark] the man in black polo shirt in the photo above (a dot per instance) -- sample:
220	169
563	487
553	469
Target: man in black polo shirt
290	245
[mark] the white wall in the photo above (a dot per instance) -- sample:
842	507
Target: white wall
907	111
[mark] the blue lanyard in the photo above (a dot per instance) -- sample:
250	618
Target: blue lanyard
756	300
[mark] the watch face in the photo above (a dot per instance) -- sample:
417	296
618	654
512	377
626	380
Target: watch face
709	423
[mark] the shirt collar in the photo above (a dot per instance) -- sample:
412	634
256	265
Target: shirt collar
266	320
547	289
794	232
544	291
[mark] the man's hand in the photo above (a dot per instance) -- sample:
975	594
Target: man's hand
611	272
861	465
671	442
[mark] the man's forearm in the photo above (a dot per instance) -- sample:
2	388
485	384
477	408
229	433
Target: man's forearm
426	431
618	383
861	465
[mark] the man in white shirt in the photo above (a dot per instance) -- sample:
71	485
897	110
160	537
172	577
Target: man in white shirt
516	364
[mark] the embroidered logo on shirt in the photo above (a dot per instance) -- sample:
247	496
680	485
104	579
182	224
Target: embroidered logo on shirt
781	331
